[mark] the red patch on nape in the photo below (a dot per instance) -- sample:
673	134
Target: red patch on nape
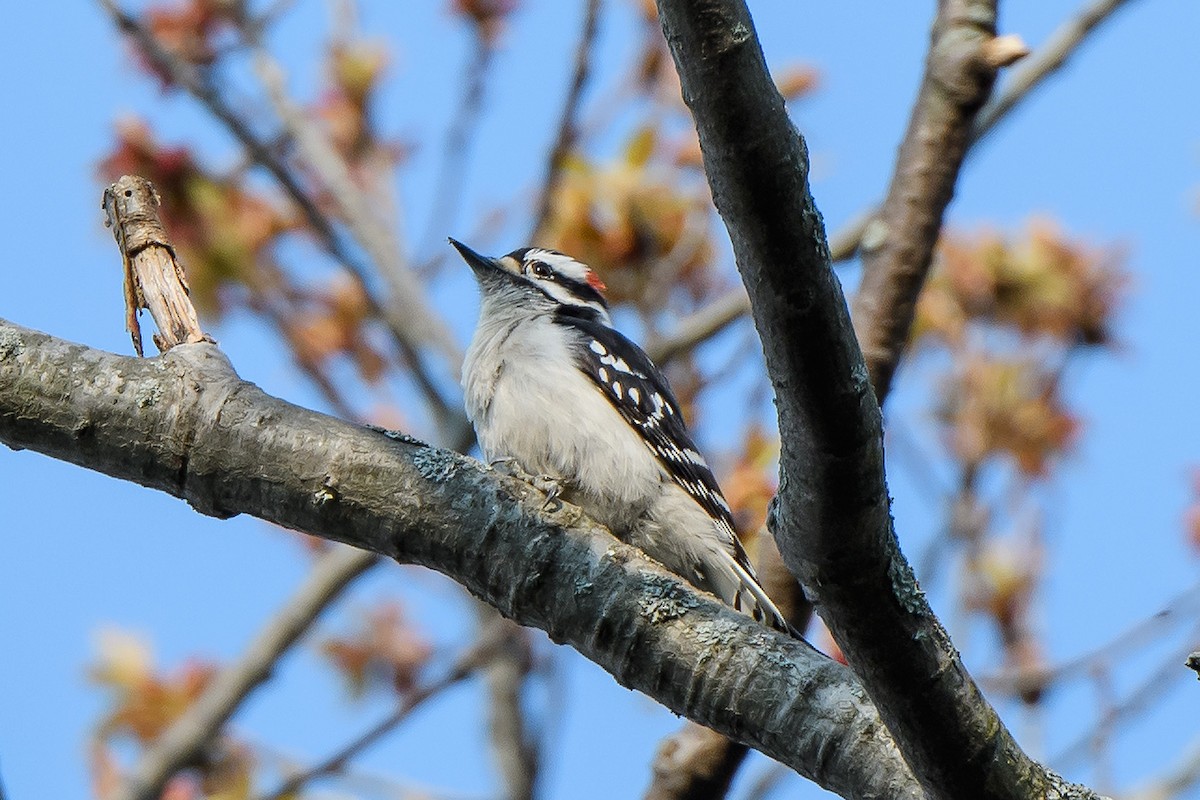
593	280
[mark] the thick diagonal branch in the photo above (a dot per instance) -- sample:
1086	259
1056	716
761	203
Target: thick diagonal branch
831	517
184	423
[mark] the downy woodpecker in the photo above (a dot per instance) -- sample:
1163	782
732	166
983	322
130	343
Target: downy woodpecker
551	385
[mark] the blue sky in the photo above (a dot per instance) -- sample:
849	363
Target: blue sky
1110	148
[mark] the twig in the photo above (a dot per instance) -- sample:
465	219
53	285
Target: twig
154	279
705	323
1138	701
1193	662
1182	777
1180	608
202	89
376	236
177	746
568	126
460	670
1043	63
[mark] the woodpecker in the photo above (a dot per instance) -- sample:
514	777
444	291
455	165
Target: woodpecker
552	386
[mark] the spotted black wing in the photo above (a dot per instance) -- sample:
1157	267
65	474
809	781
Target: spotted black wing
627	377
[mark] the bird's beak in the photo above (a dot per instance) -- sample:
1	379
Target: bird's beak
485	269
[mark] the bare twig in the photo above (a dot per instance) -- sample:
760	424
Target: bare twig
178	744
1182	608
154	279
568	125
1153	687
705	323
460	670
1044	62
407	308
261	152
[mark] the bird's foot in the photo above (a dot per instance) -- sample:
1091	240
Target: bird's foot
548	485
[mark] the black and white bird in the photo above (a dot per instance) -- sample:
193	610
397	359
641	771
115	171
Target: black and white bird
551	385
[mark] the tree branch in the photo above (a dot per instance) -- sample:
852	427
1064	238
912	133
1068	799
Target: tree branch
1044	62
460	670
178	745
958	79
831	517
184	423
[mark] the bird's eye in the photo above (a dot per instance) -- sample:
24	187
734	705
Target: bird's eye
541	269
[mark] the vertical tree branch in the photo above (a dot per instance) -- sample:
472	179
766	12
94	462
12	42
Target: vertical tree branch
898	243
831	516
513	744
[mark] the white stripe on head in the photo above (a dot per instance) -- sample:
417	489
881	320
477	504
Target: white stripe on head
564	279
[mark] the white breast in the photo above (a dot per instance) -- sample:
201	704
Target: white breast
528	401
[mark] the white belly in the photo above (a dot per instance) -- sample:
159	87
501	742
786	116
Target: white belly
529	402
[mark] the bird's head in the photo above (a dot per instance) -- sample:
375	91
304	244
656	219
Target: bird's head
541	274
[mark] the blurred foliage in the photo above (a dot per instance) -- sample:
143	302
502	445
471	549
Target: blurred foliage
1039	285
383	651
143	701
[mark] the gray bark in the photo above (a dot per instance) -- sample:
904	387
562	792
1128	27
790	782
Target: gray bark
185	424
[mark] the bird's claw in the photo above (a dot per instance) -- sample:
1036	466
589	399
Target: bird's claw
549	485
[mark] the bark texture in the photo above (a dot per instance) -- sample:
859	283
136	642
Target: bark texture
831	517
897	247
184	423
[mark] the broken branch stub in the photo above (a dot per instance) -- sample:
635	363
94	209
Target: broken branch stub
154	278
